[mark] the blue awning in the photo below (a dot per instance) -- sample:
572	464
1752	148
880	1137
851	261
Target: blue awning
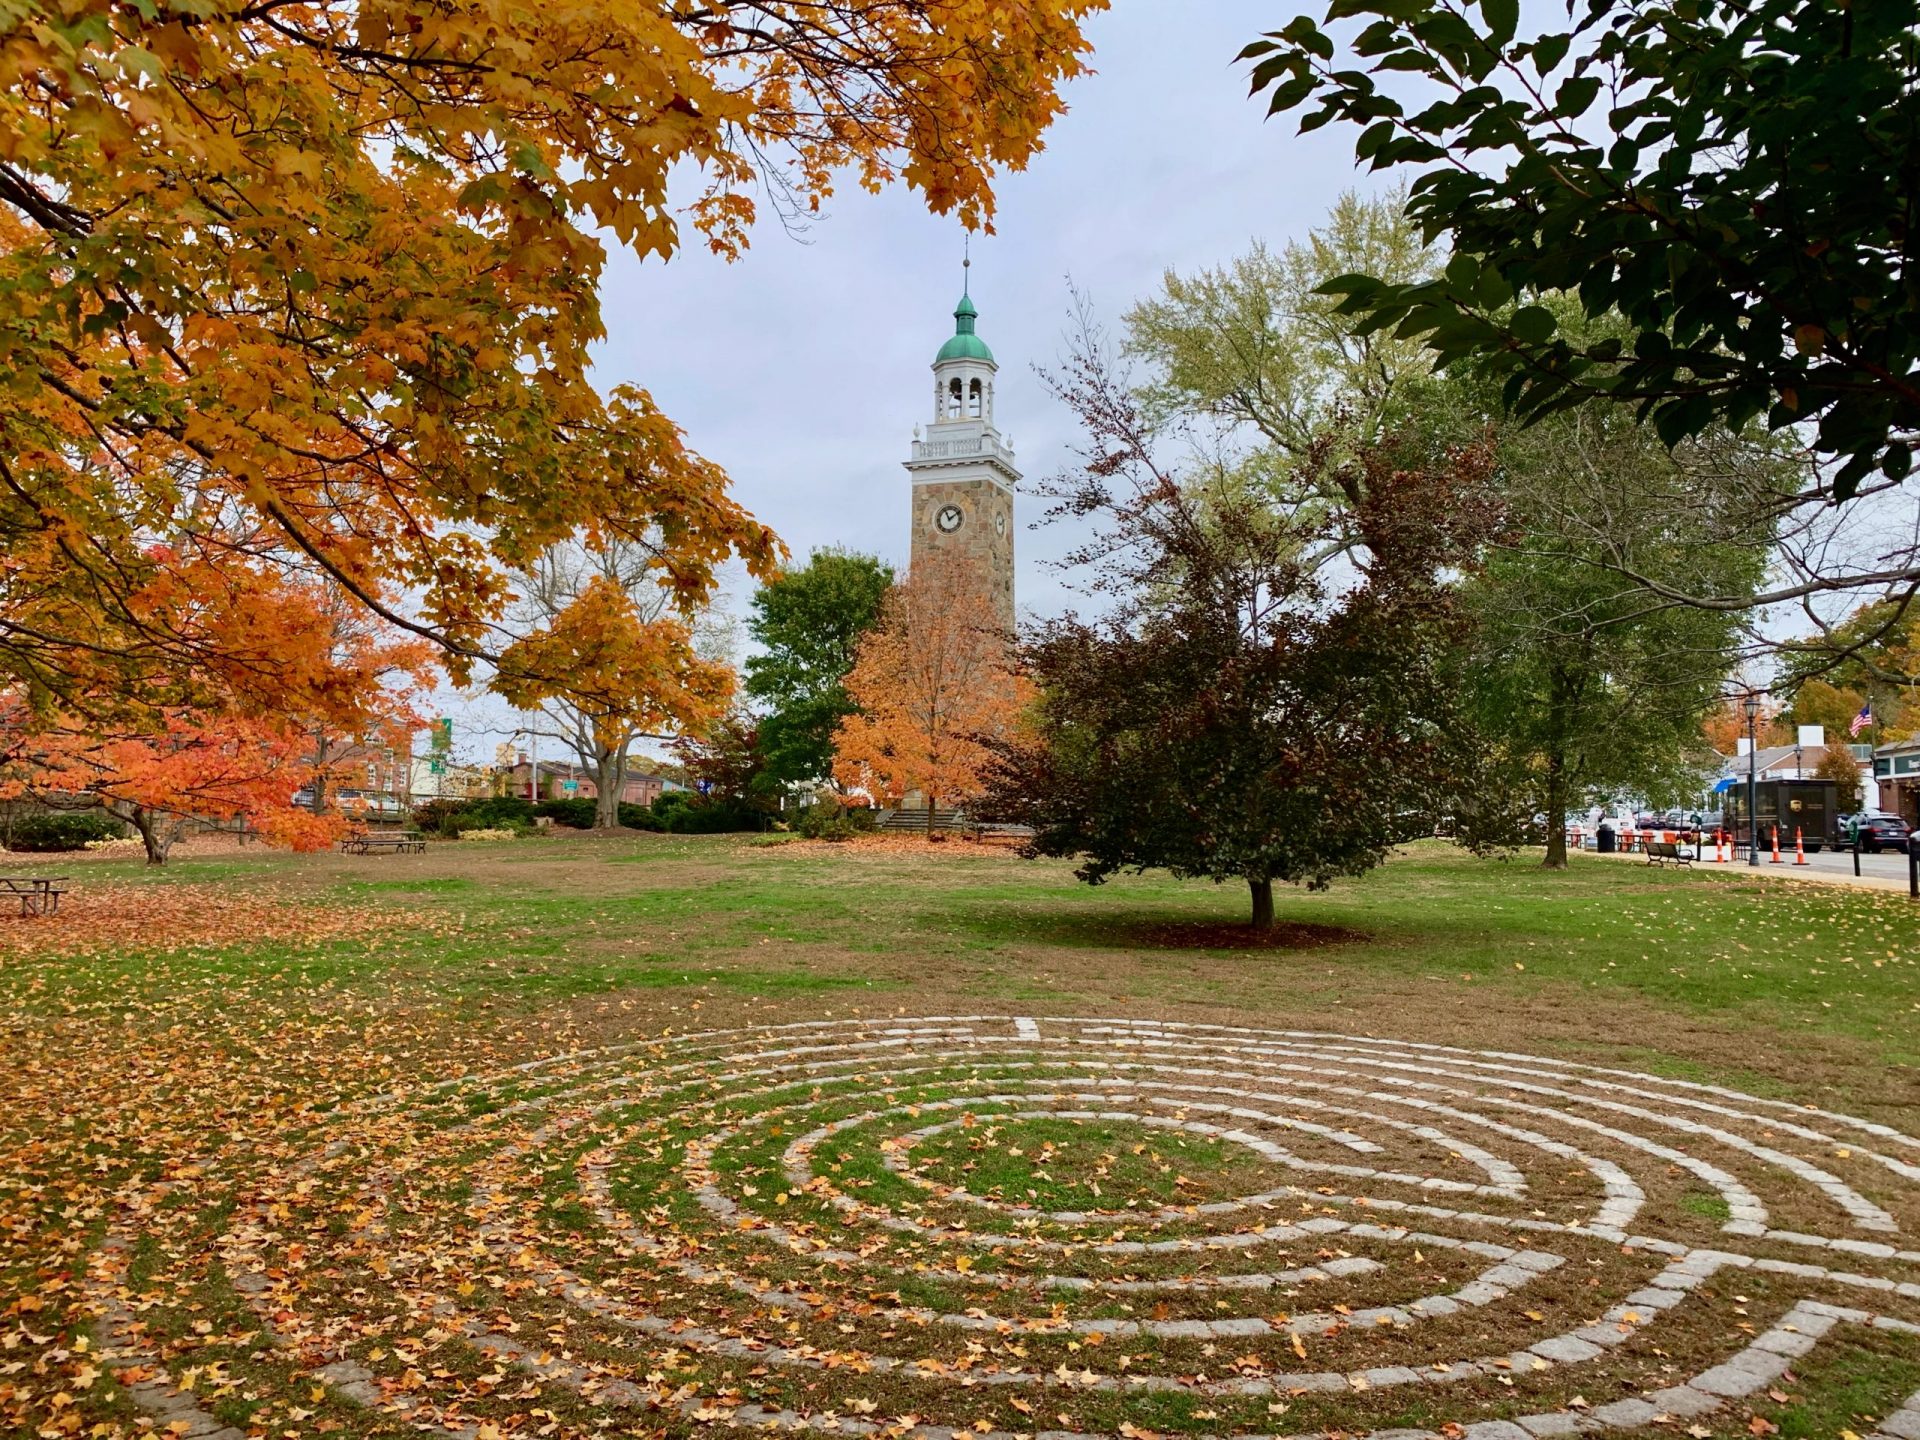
1726	784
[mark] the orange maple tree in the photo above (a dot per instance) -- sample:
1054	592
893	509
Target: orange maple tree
932	682
317	283
1725	726
624	676
181	773
234	754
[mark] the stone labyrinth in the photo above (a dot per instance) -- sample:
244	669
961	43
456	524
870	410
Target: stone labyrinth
1015	1226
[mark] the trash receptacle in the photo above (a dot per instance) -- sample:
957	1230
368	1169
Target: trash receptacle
1605	840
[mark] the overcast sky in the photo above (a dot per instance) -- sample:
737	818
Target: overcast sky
802	368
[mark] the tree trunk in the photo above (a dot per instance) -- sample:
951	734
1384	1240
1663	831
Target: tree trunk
155	834
1559	717
322	754
1556	811
1262	888
930	810
608	782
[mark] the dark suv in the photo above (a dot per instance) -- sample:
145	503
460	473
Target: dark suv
1880	832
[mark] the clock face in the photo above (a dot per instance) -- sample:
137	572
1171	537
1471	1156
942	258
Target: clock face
1000	524
949	518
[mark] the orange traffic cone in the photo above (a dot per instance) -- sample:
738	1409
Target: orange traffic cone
1776	844
1799	850
1719	847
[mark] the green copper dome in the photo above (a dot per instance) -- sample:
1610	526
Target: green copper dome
965	345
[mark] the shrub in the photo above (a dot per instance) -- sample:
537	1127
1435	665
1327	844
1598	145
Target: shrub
502	832
639	817
72	830
713	817
579	814
576	814
831	820
432	815
455	817
508	810
669	803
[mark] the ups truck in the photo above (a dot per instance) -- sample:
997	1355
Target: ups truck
1810	806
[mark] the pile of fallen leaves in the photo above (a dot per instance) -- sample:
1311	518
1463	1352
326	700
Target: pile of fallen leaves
112	917
942	846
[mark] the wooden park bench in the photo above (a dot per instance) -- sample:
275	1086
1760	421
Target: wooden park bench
383	842
1659	852
39	894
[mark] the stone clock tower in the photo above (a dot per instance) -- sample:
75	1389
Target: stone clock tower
963	471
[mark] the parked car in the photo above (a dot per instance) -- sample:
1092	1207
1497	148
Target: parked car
1880	831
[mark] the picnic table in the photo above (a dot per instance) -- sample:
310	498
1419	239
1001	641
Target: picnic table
38	894
383	842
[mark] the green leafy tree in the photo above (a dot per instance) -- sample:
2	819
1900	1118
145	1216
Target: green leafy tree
1588	681
1257	364
808	624
1871	655
1255	345
1737	178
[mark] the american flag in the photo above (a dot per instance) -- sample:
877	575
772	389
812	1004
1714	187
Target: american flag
1862	720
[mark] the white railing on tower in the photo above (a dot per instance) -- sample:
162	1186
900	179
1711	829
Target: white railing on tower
946	449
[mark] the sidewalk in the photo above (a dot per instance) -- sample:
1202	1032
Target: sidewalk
1885	871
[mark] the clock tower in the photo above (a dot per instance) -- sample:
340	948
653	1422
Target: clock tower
963	471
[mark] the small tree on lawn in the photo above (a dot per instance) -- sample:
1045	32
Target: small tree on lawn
725	764
1231	718
934	685
621	675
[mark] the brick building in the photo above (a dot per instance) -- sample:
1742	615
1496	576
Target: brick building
563	780
370	777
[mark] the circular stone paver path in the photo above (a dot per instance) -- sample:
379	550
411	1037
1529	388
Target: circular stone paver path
1188	1228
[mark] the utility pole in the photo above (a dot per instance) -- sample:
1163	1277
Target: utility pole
1753	779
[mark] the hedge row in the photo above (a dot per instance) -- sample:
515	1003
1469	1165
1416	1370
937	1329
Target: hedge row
676	812
73	830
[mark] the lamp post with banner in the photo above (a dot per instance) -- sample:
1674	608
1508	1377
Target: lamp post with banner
1753	778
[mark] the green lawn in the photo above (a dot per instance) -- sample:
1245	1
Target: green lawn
662	921
134	1054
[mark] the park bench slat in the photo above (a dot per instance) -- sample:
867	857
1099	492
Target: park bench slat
1660	852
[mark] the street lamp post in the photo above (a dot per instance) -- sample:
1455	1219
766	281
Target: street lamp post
1753	779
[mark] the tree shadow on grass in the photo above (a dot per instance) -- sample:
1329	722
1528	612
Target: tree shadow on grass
1099	928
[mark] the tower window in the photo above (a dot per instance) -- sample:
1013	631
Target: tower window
953	400
973	400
